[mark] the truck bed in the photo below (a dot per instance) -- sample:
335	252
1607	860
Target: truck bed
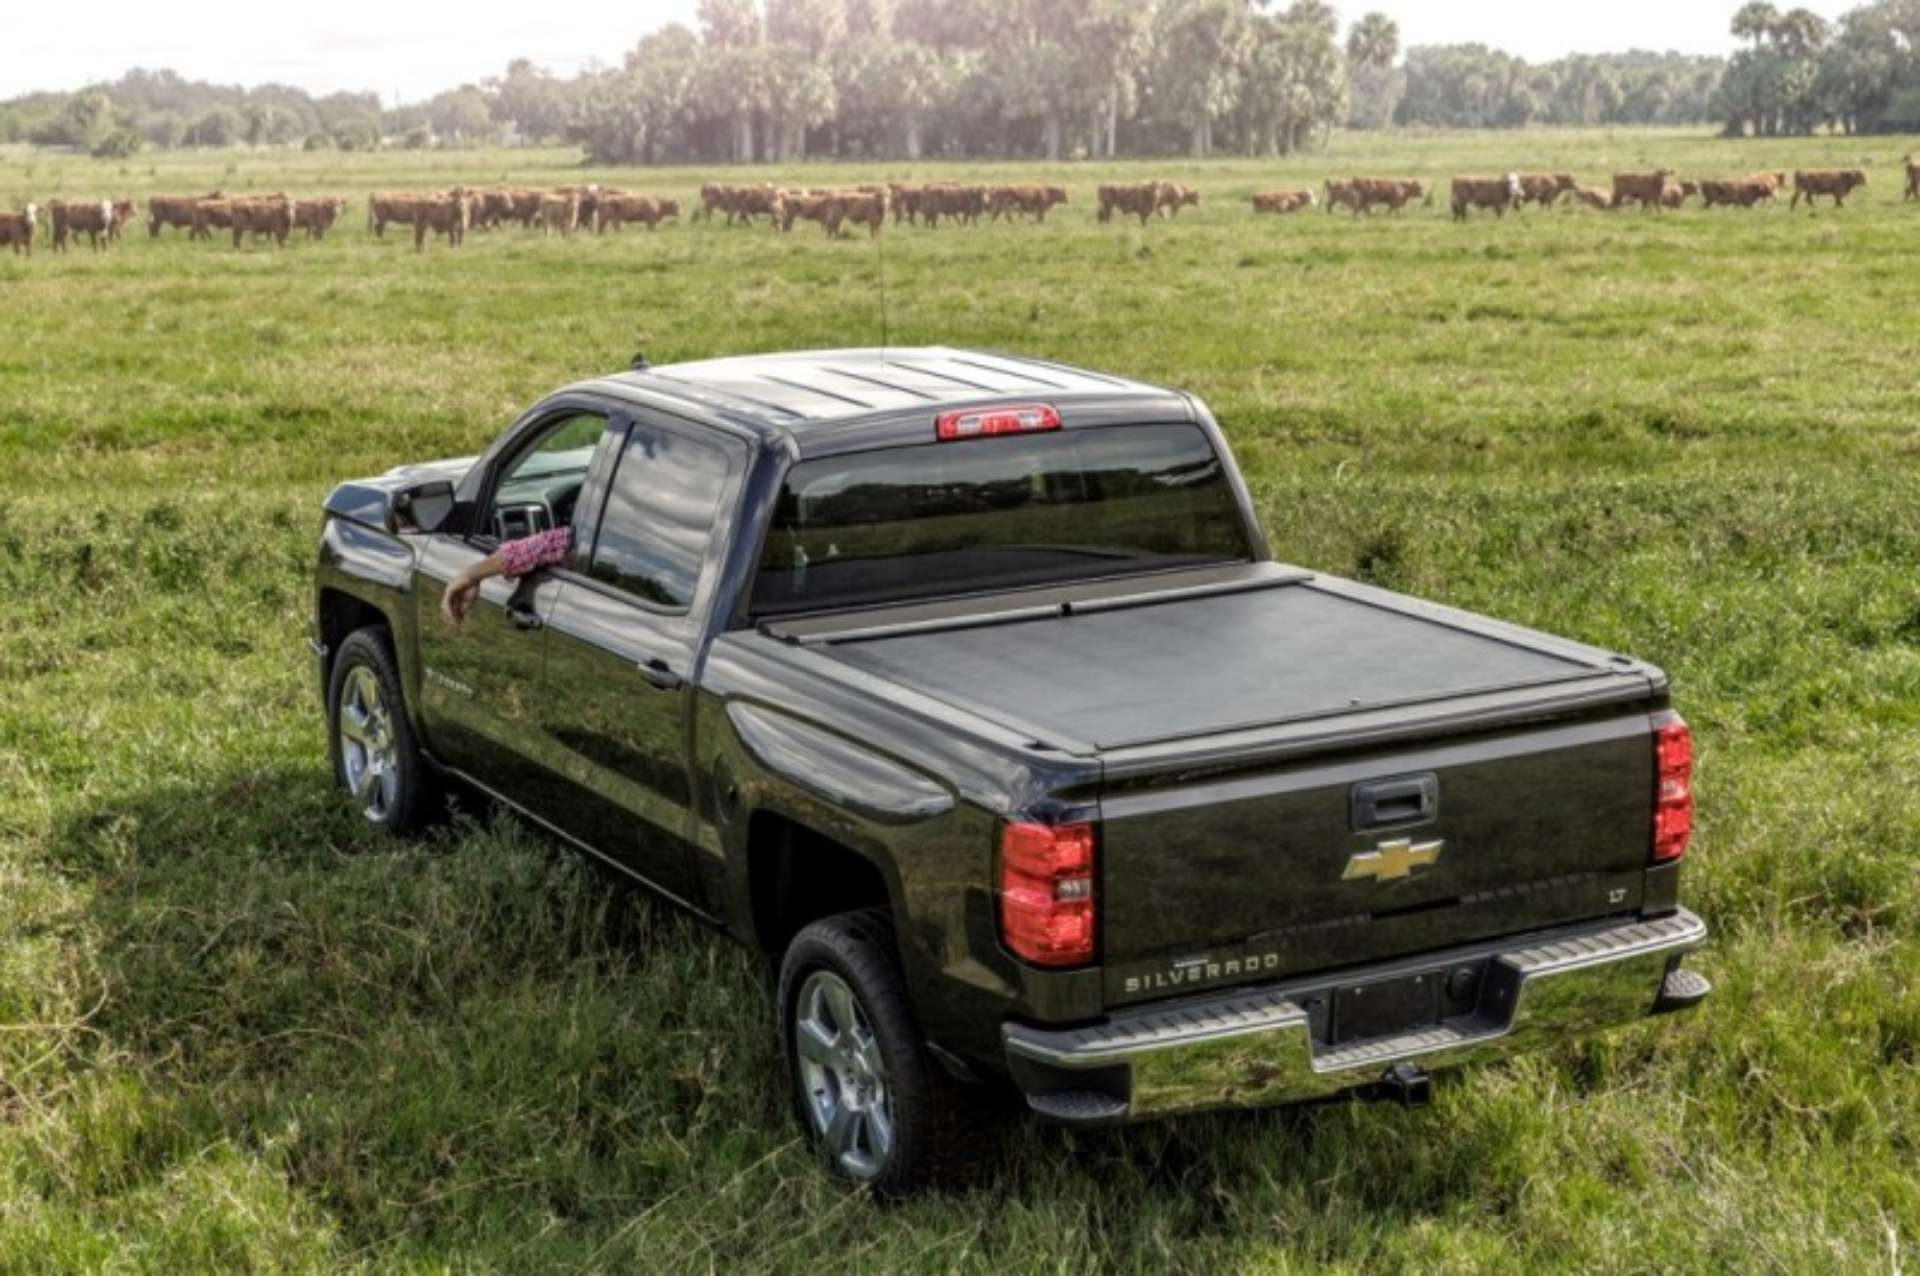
1198	655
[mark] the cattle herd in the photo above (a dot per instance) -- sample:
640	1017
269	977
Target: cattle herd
1657	189
567	210
871	205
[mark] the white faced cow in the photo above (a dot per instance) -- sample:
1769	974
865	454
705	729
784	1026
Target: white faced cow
17	229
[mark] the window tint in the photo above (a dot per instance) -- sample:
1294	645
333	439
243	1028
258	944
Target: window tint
659	516
1000	513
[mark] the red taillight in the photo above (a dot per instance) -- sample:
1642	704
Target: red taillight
975	423
1673	788
1046	892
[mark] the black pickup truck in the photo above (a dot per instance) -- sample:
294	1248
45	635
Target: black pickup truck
964	688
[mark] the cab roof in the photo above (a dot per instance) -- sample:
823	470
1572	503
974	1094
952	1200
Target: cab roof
799	393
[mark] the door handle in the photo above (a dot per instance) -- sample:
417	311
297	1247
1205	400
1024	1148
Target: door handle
659	675
1408	799
524	617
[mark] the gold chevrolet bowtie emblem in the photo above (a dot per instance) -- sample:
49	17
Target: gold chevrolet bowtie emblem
1391	860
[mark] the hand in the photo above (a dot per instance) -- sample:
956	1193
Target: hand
462	590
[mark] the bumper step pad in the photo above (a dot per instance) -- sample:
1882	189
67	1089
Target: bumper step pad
1078	1107
1681	990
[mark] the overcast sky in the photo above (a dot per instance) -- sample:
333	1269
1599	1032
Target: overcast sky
414	48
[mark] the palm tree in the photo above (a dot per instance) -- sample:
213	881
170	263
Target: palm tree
1801	33
813	25
1374	41
1755	21
731	24
1314	15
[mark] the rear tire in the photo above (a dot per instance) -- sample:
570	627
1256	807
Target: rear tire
877	1108
370	737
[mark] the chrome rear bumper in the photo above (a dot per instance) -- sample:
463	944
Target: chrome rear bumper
1265	1046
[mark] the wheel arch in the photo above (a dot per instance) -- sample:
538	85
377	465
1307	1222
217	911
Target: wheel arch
337	614
797	875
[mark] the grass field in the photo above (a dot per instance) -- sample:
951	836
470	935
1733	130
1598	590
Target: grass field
237	1031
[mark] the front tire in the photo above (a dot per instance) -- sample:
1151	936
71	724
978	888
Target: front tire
370	737
871	1101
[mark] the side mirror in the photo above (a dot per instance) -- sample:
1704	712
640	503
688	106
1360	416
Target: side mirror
422	507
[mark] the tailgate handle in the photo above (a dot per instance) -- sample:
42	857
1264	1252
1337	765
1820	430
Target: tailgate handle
1406	799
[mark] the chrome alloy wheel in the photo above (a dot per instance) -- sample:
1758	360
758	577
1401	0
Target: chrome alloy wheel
842	1077
368	751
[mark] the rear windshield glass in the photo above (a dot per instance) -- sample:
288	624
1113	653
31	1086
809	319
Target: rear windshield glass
996	513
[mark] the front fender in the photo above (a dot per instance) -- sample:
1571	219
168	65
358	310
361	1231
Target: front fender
365	573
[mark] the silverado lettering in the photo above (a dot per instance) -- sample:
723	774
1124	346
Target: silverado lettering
965	688
1203	972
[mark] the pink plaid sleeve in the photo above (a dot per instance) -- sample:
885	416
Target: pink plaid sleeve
531	553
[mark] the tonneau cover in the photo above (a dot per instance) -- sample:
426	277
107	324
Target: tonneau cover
1281	650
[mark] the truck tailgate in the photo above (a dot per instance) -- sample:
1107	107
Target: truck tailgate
1209	879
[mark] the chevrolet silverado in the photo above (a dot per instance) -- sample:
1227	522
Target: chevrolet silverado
965	688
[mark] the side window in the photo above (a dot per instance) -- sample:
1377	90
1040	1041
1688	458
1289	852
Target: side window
540	486
659	516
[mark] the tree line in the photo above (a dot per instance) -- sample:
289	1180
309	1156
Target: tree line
779	80
1052	78
1799	72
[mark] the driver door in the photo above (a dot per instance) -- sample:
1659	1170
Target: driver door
480	681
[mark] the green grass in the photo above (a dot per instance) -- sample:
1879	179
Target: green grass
237	1031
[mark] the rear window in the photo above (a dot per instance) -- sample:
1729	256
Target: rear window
999	513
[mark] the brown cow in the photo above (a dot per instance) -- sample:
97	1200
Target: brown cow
587	203
1838	183
1364	192
523	206
124	211
210	215
1594	197
559	212
1173	197
316	216
1142	199
748	202
1497	193
648	210
1025	200
806	205
392	206
94	219
905	201
491	208
1913	178
1544	188
271	216
958	203
17	229
1743	192
1641	188
868	207
833	209
1282	202
1342	193
1676	194
175	211
449	214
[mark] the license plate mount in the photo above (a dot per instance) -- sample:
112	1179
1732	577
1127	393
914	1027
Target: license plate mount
1386	1007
